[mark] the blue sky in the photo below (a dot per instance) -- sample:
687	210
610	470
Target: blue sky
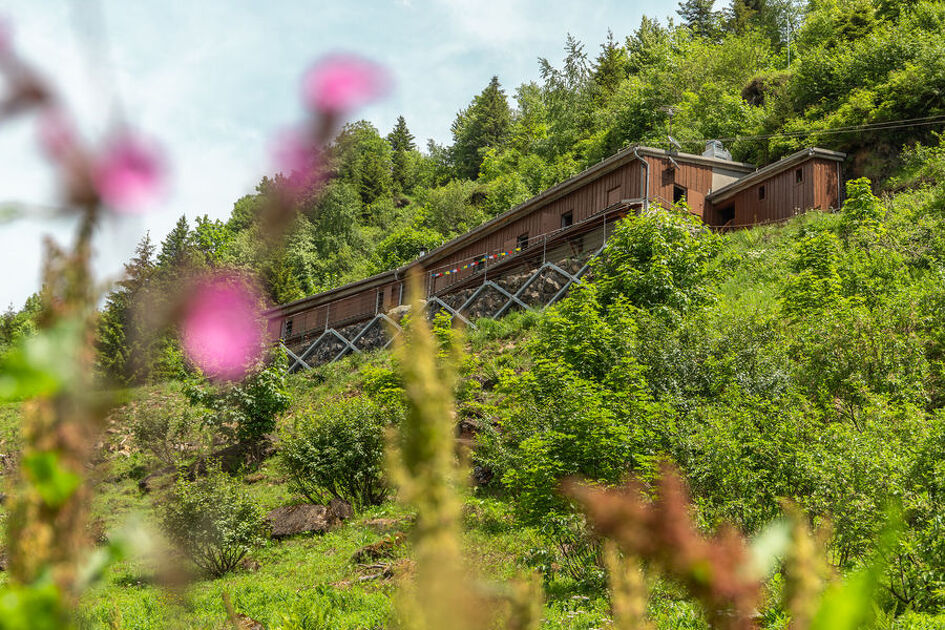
214	80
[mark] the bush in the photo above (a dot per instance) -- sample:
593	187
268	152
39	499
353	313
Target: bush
245	411
212	521
162	424
337	451
659	261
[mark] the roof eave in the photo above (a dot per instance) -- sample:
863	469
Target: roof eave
774	168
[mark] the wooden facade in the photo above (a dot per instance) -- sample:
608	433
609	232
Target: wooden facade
724	193
807	180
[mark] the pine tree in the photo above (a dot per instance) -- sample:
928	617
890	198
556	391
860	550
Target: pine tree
610	68
120	341
485	124
175	246
400	137
699	16
401	141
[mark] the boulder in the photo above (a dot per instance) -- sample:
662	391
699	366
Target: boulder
342	510
291	520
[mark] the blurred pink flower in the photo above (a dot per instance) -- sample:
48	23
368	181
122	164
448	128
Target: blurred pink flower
56	133
343	82
294	152
298	159
6	37
221	331
128	174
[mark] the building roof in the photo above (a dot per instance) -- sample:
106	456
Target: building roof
773	169
589	174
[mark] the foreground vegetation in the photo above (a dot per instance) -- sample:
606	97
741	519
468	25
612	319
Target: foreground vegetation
800	362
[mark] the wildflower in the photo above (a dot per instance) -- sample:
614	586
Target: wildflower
56	134
221	331
343	82
128	174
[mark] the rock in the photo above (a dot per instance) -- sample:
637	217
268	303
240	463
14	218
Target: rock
245	622
291	520
385	548
397	313
482	475
248	564
342	510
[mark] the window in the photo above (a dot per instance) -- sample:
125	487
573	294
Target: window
761	192
567	219
287	328
798	176
679	193
522	241
726	215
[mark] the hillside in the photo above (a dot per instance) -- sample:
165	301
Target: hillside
728	429
800	361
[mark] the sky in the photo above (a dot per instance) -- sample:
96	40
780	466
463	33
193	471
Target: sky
213	81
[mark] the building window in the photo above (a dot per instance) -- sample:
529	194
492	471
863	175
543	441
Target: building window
679	193
522	241
567	219
761	192
798	176
287	328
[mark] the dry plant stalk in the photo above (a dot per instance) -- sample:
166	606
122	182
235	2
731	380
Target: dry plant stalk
806	572
423	467
662	534
422	459
46	529
628	592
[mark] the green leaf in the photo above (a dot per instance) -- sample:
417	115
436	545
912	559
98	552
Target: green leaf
54	483
43	364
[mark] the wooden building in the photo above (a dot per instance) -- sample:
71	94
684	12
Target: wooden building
566	224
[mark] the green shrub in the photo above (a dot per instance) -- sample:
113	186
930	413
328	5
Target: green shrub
337	450
243	411
658	260
212	521
162	424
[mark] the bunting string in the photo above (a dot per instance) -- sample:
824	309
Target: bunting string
475	263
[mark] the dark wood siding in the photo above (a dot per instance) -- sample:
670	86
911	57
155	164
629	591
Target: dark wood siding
695	178
584	202
784	196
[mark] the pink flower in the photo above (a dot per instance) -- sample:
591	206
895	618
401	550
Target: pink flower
343	82
294	152
221	331
298	159
56	134
128	174
6	37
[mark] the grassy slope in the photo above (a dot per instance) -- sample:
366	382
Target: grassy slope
311	582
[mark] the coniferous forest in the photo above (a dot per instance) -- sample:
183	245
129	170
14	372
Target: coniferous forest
738	429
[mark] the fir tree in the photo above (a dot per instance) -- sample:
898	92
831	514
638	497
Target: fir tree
610	68
176	245
485	124
400	137
120	342
699	16
401	141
